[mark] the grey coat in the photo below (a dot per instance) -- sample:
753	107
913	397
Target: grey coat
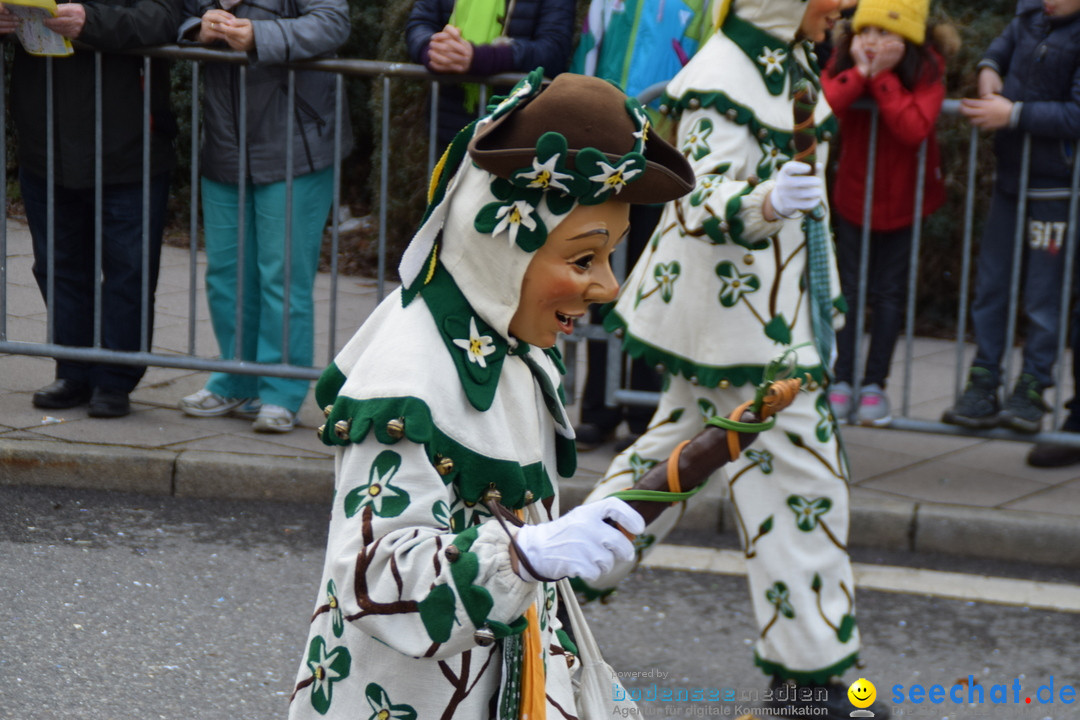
285	30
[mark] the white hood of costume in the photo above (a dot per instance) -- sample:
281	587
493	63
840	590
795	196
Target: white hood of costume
780	18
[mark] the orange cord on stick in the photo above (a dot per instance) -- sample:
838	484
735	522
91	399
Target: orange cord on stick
673	484
781	393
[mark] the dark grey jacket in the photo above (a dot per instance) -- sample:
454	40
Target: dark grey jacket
1039	59
111	25
284	30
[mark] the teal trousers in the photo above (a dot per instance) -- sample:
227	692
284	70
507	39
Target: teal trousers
263	276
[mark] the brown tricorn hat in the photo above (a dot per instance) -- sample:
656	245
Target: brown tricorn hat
583	136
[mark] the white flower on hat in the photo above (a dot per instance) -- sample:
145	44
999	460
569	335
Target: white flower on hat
512	216
544	175
477	346
614	178
772	60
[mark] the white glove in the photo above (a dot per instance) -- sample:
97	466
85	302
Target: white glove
795	191
580	544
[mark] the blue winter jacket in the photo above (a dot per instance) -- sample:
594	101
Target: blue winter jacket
1039	59
541	32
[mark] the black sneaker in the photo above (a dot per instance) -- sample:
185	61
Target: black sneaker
1024	409
819	701
978	406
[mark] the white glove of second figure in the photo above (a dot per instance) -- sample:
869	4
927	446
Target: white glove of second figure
580	544
796	191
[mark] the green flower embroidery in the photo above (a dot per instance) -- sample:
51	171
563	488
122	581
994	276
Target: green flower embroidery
613	178
696	143
441	513
666	275
639	466
772	59
707	408
826	424
515	212
641	119
326	669
514	216
807	512
607	179
546	175
383	709
476	346
706	184
772	156
337	619
733	284
527	86
385	500
762	458
777	596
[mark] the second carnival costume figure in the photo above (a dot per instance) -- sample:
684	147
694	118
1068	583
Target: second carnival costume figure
735	275
447	407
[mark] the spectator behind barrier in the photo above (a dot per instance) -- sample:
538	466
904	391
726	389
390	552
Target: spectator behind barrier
890	56
108	26
469	37
1027	83
270	32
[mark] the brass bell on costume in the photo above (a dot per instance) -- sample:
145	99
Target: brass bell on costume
396	428
341	429
452	553
327	410
319	431
484	637
444	465
571	658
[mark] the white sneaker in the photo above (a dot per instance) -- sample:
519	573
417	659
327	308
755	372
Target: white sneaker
873	407
209	404
841	399
274	419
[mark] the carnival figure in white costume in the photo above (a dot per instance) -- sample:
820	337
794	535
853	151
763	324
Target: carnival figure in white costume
447	411
738	272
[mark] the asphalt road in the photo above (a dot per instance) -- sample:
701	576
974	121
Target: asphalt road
118	607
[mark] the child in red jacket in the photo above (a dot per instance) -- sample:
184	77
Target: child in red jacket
886	58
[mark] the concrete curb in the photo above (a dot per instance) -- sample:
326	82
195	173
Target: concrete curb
1015	535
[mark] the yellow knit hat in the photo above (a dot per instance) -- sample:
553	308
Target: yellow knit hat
906	18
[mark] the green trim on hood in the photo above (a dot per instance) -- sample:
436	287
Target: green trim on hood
704	375
472	471
743	115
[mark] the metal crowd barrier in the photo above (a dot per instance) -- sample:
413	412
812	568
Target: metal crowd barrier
384	74
617	394
380	72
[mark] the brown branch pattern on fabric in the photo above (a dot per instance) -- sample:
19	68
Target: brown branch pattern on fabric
561	709
360	585
459	683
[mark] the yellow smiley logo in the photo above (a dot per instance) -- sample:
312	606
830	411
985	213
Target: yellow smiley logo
862	693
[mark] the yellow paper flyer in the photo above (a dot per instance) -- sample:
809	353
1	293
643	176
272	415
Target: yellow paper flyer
37	39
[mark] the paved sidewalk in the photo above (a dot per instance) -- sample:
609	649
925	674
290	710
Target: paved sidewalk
912	491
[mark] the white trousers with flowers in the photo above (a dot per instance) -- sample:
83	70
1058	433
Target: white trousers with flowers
789	493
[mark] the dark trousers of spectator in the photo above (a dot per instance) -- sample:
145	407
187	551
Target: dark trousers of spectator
886	295
643	219
121	271
1041	278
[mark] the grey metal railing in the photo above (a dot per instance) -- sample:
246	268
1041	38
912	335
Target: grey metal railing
616	394
196	56
383	76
